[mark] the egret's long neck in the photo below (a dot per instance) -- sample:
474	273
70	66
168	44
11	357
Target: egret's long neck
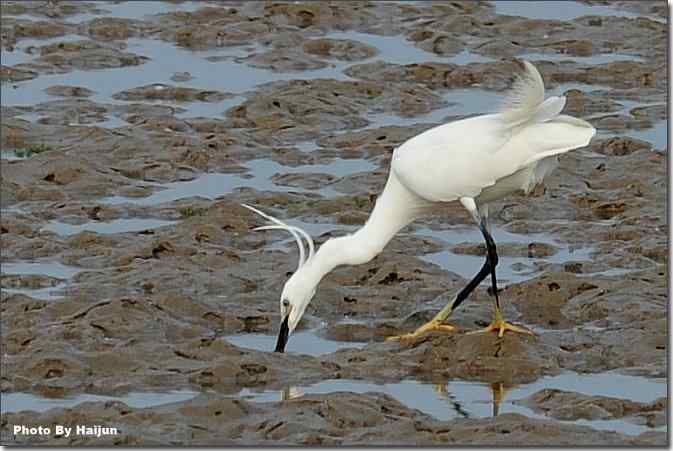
395	208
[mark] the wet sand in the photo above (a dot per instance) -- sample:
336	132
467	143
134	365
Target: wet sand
135	296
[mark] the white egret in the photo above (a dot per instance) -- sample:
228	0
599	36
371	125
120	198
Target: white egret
476	161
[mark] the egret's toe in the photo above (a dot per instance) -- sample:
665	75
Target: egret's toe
431	326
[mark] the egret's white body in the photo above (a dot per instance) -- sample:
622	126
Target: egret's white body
476	160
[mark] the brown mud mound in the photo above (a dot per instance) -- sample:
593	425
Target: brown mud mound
513	358
159	91
564	405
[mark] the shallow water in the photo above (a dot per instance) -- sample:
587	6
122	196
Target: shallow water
137	9
510	269
10	154
134	9
397	50
44	294
556	9
16	402
657	135
464	102
165	59
51	269
212	185
601	58
301	342
20	56
115	226
475	400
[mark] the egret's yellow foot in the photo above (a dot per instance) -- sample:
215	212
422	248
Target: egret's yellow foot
430	326
500	325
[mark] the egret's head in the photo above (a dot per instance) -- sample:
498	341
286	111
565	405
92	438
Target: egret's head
297	294
299	288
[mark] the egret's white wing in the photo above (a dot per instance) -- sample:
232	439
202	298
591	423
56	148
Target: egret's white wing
462	158
453	160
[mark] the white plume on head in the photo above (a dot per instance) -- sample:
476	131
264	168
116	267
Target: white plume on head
297	233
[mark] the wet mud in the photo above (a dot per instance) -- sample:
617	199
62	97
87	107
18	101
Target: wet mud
135	294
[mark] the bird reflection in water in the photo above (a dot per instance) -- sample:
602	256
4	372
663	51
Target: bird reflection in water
498	391
290	393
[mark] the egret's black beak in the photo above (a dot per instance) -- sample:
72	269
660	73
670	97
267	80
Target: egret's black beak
283	335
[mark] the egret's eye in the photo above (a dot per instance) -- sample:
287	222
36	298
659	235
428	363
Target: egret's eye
286	303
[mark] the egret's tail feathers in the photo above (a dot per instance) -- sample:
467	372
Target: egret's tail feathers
525	102
549	110
557	136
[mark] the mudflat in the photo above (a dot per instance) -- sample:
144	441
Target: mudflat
135	295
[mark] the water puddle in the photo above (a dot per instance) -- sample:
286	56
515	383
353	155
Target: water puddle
50	269
397	50
116	226
109	122
301	342
17	402
601	58
467	57
165	59
206	67
657	135
556	10
134	9
213	185
465	399
138	9
460	102
510	269
21	55
43	294
15	154
464	102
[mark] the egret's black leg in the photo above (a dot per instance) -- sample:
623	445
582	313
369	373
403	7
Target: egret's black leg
488	267
498	324
492	259
435	324
469	288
